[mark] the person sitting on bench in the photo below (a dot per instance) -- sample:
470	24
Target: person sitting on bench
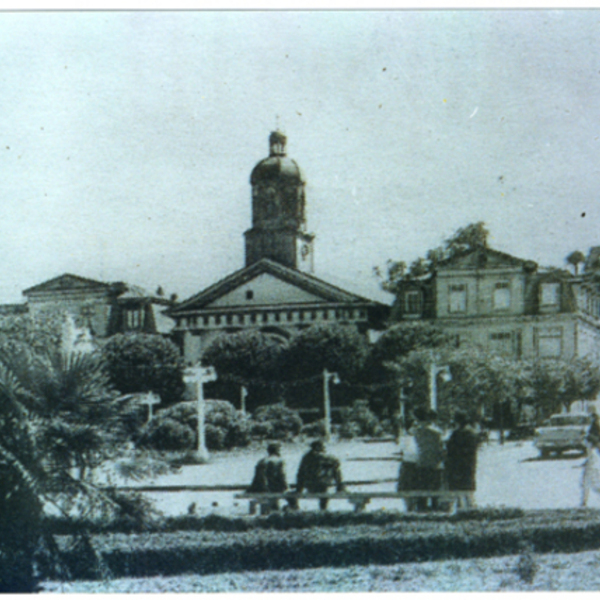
269	476
317	472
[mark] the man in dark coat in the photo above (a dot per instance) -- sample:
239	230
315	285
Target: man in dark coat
318	471
269	476
461	455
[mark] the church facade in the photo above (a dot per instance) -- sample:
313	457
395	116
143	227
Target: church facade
276	292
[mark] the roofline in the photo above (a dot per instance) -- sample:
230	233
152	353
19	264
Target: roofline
86	279
267	265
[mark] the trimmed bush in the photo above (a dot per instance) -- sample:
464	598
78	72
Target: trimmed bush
278	421
286	547
360	420
225	427
167	434
314	429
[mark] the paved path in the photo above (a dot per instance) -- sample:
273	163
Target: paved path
508	475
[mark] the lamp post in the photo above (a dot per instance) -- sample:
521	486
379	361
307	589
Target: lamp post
327	377
243	396
198	376
434	371
150	399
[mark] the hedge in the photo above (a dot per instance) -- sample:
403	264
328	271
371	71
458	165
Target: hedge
204	552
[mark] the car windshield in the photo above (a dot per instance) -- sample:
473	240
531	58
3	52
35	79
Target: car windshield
560	420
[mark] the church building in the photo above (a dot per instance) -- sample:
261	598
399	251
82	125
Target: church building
276	292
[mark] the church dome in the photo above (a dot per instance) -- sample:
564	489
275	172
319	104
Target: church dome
277	166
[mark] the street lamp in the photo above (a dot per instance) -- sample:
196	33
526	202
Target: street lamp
327	377
434	371
198	376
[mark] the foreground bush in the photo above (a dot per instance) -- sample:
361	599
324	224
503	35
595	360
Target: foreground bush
415	540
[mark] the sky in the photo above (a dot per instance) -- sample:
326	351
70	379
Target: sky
127	138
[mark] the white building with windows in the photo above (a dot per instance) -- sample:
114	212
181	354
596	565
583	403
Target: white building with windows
507	305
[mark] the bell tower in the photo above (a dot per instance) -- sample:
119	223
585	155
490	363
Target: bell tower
278	211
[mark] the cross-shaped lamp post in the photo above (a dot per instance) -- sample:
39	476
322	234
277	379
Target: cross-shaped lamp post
199	375
150	399
327	376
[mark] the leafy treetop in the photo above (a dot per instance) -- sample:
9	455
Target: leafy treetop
474	235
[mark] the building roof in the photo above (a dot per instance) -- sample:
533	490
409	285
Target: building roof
67	281
304	281
479	258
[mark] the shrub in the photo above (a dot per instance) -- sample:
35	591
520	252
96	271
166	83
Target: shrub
278	420
314	429
360	420
224	427
168	434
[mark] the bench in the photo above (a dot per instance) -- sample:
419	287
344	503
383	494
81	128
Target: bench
456	500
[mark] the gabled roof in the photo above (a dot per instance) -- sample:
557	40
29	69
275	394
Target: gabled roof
485	258
66	282
308	283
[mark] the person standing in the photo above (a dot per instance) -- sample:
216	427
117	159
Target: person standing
269	476
591	469
318	471
421	470
461	456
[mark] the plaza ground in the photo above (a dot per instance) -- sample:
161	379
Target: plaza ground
509	475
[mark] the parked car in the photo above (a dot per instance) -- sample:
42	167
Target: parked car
563	432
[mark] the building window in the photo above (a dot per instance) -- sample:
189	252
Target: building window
412	303
290	316
325	315
134	318
252	318
550	294
501	342
240	318
217	319
265	317
313	315
249	295
502	295
301	315
549	342
205	320
457	296
229	319
277	317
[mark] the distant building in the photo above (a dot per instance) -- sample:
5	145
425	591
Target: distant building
507	305
104	308
275	292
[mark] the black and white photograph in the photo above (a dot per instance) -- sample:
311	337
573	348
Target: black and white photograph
300	300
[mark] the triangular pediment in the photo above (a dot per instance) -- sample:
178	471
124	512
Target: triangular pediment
66	282
484	258
267	283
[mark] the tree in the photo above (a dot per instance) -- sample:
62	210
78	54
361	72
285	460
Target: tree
340	349
557	383
337	348
56	412
243	357
575	259
139	362
470	237
247	358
